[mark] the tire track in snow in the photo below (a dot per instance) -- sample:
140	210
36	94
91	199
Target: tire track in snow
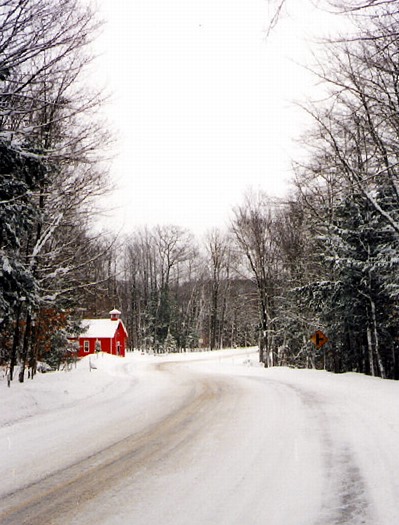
346	499
58	497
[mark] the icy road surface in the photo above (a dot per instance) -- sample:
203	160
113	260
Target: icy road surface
199	439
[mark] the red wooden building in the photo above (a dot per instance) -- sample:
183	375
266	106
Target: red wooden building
103	335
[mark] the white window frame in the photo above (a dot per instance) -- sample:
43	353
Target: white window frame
86	347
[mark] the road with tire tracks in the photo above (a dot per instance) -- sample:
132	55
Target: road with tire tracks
212	448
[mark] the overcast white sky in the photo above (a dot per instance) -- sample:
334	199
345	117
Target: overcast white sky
202	102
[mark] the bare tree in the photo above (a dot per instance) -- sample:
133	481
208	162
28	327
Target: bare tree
253	229
219	251
175	247
159	268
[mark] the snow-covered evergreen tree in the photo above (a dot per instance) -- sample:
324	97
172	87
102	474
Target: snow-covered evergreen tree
49	143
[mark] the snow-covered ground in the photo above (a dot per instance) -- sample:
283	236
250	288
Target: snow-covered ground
201	438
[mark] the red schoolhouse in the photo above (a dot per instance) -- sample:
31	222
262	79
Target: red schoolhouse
103	335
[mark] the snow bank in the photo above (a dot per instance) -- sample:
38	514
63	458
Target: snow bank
54	390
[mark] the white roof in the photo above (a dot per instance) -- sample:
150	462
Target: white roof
99	328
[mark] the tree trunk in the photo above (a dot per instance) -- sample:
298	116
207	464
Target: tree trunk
395	361
25	348
15	343
34	352
213	319
376	341
370	351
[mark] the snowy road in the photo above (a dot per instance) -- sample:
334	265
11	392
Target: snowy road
206	442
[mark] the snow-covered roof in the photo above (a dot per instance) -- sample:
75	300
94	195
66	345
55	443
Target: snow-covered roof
99	328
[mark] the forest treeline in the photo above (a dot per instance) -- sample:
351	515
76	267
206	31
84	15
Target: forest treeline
324	258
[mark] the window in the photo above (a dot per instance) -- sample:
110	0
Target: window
118	348
86	346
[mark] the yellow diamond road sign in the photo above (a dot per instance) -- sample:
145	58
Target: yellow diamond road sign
319	339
